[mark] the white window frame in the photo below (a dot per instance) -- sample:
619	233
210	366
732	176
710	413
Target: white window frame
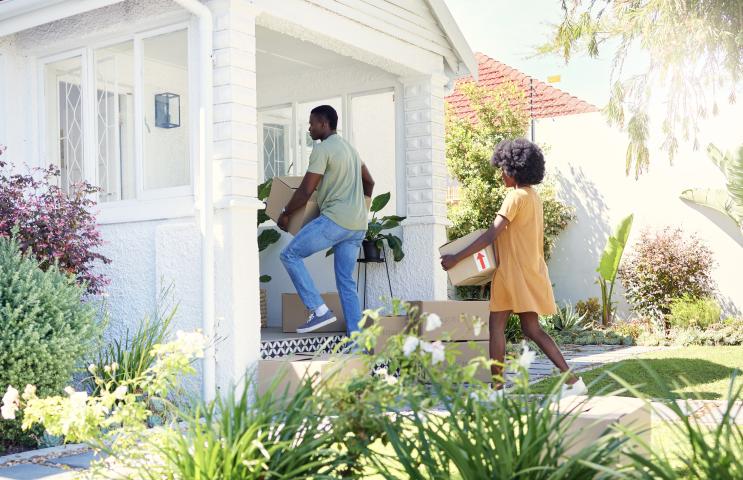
150	204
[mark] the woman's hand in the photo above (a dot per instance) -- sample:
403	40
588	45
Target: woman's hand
448	262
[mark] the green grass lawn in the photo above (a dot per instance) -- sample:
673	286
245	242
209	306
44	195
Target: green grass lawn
689	372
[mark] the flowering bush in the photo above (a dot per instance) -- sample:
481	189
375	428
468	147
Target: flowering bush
663	266
694	312
46	328
58	227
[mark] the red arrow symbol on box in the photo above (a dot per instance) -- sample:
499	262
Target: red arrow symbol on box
481	259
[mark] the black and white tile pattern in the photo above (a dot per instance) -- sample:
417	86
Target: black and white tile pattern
275	348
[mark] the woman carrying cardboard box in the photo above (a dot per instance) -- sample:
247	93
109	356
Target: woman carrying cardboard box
521	283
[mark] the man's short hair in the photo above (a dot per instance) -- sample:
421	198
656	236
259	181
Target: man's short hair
328	113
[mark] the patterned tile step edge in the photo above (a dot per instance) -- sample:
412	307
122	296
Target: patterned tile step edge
290	346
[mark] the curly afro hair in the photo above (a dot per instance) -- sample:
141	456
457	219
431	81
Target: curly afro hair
520	159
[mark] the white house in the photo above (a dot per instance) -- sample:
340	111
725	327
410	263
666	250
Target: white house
178	109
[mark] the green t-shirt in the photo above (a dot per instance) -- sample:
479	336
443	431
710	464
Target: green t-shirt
341	192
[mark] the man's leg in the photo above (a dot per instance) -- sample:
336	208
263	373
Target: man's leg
311	239
346	253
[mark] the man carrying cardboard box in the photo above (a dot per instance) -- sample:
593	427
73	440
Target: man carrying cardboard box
341	181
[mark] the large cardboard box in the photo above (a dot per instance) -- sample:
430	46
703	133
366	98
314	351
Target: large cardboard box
475	270
294	313
456	319
595	416
282	189
391	325
289	372
470	350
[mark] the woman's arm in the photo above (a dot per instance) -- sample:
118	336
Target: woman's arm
486	239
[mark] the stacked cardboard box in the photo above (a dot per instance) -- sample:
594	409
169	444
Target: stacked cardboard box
596	416
294	313
289	372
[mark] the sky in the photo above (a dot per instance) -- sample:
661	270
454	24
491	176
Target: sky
510	30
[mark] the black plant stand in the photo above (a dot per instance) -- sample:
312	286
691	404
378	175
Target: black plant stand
365	262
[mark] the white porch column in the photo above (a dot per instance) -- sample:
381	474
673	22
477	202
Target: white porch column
425	165
235	188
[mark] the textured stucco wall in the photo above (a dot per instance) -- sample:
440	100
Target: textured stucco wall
588	159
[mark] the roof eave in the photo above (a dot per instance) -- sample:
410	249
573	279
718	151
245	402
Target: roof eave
19	15
456	38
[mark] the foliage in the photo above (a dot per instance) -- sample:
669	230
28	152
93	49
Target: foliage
665	265
609	266
46	328
469	147
591	308
568	320
694	312
58	227
134	354
671	33
631	328
593	337
268	236
379	225
729	202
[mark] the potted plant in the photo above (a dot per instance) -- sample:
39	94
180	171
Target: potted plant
266	238
373	243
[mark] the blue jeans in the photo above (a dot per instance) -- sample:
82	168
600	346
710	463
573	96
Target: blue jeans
317	236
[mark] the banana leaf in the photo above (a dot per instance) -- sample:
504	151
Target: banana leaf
612	256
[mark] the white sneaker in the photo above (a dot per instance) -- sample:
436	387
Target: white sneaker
574	390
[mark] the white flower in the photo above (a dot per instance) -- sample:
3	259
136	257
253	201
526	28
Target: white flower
120	392
191	344
437	352
433	322
78	399
477	326
92	368
527	357
10	404
69	390
411	343
29	392
114	366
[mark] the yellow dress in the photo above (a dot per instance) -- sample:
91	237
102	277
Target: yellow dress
521	282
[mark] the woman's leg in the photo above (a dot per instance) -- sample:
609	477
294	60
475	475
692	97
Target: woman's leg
532	331
497	326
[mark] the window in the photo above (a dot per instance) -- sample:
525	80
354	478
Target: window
122	146
64	121
275	133
115	122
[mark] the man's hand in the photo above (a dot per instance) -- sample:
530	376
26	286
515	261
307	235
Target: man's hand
448	262
283	222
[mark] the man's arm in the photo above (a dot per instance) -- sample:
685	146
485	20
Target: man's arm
486	239
367	181
300	198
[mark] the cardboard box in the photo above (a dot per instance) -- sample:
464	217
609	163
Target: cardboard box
470	350
595	416
392	325
289	372
475	270
294	313
282	189
453	326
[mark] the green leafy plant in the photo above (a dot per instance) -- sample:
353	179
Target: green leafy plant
729	202
378	225
694	312
46	329
568	320
268	236
609	267
132	355
591	308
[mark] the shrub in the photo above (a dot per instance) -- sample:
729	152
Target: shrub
567	320
631	328
58	227
694	312
46	328
591	308
663	266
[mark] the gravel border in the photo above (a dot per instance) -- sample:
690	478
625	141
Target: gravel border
43	454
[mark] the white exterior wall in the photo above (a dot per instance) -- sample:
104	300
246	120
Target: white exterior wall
588	158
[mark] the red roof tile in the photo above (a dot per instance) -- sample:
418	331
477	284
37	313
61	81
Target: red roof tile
546	101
